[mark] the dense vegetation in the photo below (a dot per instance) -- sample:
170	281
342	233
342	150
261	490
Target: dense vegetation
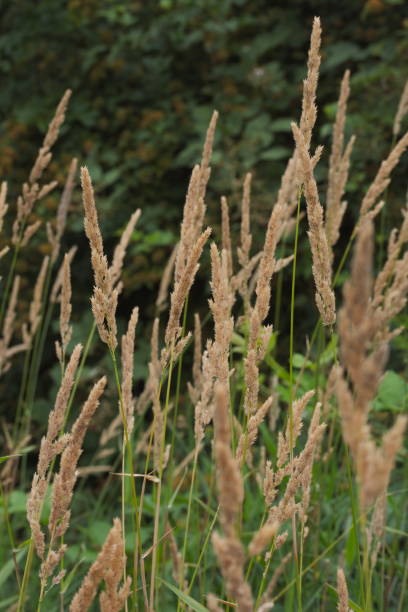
145	78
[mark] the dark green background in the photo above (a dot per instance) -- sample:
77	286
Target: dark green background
145	78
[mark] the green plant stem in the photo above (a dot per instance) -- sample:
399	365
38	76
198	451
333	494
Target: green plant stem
264	574
158	491
26	576
202	551
84	356
129	454
10	534
186	530
354	513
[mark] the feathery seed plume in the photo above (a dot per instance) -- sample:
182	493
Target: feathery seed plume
325	299
65	310
104	299
402	111
108	567
31	191
128	348
54	238
338	168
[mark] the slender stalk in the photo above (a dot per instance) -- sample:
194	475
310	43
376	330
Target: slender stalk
354	513
186	529
10	534
159	488
291	398
129	456
26	577
264	574
202	551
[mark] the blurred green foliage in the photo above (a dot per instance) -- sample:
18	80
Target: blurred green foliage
145	78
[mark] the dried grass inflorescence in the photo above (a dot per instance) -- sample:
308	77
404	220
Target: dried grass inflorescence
32	191
69	445
363	329
107	567
7	351
325	299
401	112
51	446
128	348
364	325
228	548
65	311
54	236
106	290
338	169
342	592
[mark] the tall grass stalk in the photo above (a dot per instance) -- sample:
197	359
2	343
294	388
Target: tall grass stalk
160	475
291	398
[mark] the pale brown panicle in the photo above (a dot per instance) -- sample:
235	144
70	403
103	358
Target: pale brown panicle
54	236
64	481
228	548
370	206
182	288
65	311
108	566
342	592
194	207
121	248
56	288
325	299
401	112
3	203
31	190
192	239
338	169
246	240
34	315
297	468
226	233
50	447
104	299
309	111
364	357
128	349
162	296
6	352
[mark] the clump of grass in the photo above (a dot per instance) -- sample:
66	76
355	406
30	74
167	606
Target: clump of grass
245	534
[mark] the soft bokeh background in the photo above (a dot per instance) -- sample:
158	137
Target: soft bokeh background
145	78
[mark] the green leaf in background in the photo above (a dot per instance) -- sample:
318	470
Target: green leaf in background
192	603
17	502
8	567
392	393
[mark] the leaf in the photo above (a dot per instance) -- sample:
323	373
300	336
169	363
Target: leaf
351	547
281	125
392	393
195	605
17	502
299	361
275	154
8	567
2	459
98	531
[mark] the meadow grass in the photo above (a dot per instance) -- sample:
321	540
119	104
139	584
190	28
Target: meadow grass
232	481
